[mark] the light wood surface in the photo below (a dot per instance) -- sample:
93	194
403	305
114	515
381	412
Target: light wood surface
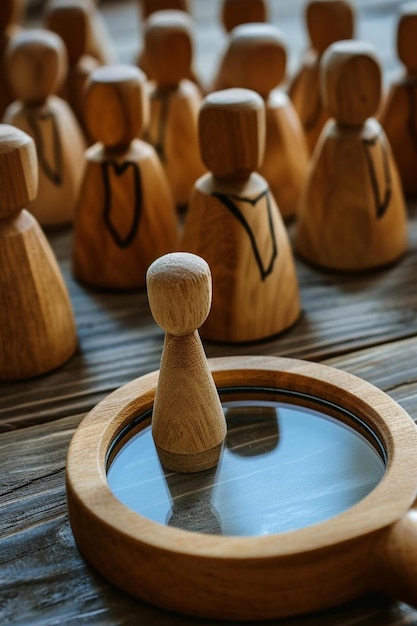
352	214
256	59
399	112
37	64
125	216
327	21
37	326
174	100
362	323
234	224
188	424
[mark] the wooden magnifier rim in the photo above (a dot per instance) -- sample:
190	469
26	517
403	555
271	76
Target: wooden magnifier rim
261	577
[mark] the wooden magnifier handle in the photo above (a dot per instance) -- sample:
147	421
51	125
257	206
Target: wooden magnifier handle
395	560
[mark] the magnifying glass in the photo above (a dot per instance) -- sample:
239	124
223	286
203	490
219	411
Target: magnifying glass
310	505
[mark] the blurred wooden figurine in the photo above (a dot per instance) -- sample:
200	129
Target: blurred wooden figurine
174	101
100	45
148	7
399	113
37	325
188	423
328	21
37	64
256	59
70	20
235	225
237	12
352	214
9	14
233	14
125	216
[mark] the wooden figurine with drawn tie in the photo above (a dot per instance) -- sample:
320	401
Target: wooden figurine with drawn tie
125	215
37	64
37	325
256	59
233	223
328	21
174	101
188	423
70	20
399	112
9	14
352	214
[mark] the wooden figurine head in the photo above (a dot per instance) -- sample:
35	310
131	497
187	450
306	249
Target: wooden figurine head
116	105
329	21
351	82
70	19
152	6
18	170
232	133
37	64
257	57
9	12
169	46
236	12
406	37
179	292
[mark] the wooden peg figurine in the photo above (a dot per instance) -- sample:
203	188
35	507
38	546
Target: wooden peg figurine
235	13
70	19
256	59
327	21
125	215
352	214
399	112
9	14
174	101
37	64
233	222
188	423
37	325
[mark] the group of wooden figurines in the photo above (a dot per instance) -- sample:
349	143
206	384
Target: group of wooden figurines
252	140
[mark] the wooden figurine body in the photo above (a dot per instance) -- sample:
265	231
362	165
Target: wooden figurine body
174	101
70	20
9	12
233	14
37	326
125	216
399	112
188	423
234	224
256	59
37	64
352	214
328	21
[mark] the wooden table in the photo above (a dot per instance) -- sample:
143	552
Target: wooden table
364	324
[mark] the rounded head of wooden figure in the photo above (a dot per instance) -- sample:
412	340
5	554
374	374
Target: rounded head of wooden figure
18	170
70	19
407	35
329	21
149	7
351	82
116	105
37	65
236	12
257	55
231	127
179	292
9	12
169	46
